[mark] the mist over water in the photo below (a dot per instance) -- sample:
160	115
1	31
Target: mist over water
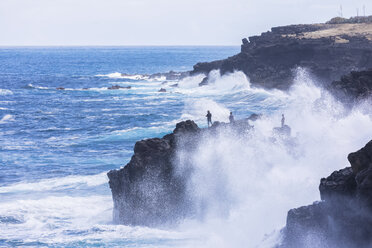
243	185
56	147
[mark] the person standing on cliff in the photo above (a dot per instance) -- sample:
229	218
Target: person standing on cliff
231	118
283	120
209	118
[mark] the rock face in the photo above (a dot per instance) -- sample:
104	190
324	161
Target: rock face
354	86
151	190
148	191
344	216
328	51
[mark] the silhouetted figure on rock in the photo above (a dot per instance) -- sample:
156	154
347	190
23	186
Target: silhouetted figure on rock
209	117
284	130
231	118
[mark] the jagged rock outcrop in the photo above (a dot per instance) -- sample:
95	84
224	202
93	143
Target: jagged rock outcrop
328	51
343	219
150	190
353	87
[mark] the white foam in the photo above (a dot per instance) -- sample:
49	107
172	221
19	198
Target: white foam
249	184
191	82
37	87
60	220
126	130
7	118
57	184
4	92
230	83
119	75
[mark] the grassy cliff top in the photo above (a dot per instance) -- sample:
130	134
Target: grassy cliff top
339	31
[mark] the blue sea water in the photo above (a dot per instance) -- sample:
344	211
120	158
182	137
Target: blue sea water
47	132
56	146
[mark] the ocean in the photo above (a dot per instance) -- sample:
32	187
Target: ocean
56	145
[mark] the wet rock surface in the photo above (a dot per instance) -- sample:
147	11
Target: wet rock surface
344	216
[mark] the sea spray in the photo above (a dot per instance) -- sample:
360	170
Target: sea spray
243	187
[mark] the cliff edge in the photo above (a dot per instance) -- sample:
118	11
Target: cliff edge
327	50
151	190
343	218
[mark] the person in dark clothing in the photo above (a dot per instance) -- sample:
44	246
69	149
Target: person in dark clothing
209	118
283	120
231	118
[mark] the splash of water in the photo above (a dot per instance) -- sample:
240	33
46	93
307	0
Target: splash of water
243	187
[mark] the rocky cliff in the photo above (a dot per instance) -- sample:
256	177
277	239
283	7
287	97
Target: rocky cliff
150	190
343	218
328	51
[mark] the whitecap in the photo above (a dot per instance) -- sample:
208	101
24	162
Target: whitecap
57	183
7	118
126	130
4	92
124	76
37	87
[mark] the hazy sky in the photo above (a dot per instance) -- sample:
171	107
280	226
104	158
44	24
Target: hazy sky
157	22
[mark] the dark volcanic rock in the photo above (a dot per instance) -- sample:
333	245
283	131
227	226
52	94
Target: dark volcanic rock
151	190
338	184
361	159
343	218
148	191
304	222
117	87
354	86
328	51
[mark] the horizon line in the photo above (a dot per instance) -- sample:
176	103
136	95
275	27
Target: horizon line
26	46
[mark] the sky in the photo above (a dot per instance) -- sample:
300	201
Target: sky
157	22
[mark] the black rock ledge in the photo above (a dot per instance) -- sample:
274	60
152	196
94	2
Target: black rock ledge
343	219
150	190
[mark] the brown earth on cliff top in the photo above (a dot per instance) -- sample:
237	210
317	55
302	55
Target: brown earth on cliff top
337	31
